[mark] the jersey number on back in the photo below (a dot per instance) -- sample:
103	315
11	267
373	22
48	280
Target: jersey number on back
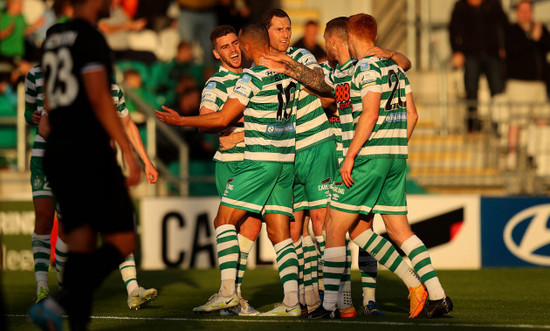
394	84
285	97
62	85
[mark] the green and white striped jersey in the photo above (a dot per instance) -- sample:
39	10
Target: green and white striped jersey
34	100
118	100
270	114
214	95
339	79
34	93
312	125
389	136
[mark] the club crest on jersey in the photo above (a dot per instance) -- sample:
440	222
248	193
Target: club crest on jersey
246	78
211	86
36	183
364	66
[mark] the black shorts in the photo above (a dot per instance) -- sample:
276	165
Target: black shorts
90	188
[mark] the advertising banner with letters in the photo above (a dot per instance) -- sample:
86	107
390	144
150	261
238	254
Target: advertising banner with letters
515	232
179	232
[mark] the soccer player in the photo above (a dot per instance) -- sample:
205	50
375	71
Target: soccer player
77	71
263	181
314	145
225	44
339	77
44	201
137	295
42	196
375	133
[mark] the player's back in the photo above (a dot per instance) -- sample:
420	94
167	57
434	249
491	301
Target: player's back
384	76
72	49
270	114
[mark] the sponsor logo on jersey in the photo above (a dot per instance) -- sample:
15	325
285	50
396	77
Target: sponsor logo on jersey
211	86
367	78
278	129
527	235
396	117
246	78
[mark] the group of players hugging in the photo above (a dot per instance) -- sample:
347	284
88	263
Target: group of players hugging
314	150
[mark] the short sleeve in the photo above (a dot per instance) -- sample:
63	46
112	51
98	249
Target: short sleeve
307	59
211	95
408	88
244	89
368	78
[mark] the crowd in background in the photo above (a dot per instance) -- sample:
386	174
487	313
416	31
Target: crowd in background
175	58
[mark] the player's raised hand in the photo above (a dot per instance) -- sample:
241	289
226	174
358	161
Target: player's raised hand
345	170
168	116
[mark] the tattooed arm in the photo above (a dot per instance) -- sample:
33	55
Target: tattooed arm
284	64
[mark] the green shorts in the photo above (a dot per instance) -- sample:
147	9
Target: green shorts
315	168
224	171
39	182
379	186
257	186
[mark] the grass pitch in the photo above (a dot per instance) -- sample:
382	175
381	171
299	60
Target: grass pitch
488	299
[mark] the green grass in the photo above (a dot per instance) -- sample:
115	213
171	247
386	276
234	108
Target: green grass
488	299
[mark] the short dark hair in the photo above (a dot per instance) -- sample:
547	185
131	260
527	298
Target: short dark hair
277	12
256	33
312	22
338	26
220	31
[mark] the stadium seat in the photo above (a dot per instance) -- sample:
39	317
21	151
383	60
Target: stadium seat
169	39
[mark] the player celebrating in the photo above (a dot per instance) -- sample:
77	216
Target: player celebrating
314	145
263	181
231	152
77	71
375	132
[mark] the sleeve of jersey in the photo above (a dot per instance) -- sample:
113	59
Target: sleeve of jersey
93	52
408	88
121	104
368	78
212	96
30	97
307	59
245	89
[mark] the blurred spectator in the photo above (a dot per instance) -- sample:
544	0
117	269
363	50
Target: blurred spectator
133	80
527	43
131	6
233	12
309	41
8	108
13	29
60	11
166	76
155	12
116	29
200	146
477	31
196	20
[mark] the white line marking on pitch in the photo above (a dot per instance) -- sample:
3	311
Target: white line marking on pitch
292	320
